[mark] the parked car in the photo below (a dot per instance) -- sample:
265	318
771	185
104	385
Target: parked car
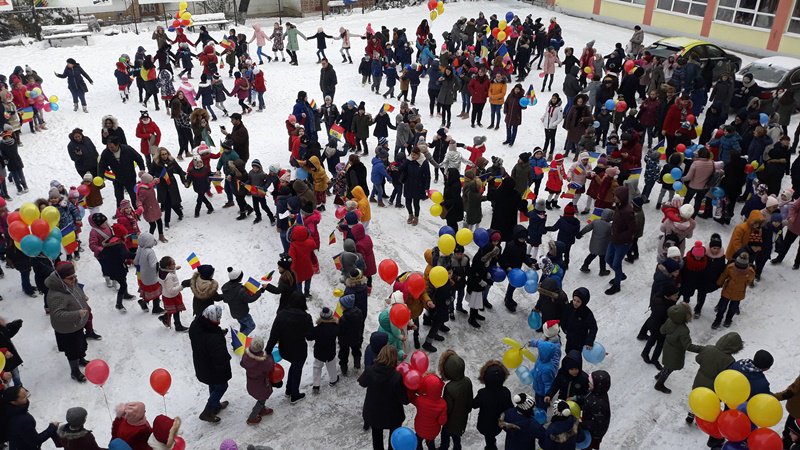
707	53
774	74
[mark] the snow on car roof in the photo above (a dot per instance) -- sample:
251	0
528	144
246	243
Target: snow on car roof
784	62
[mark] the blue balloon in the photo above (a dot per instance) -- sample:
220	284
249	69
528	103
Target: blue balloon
531	286
677	186
532	275
480	237
517	278
31	245
540	415
584	440
676	173
524	375
301	174
54	106
689	153
509	16
171	29
610	104
276	355
763	119
735	445
498	274
595	124
55	233
596	355
524	102
718	192
714	202
51	247
534	319
404	438
447	230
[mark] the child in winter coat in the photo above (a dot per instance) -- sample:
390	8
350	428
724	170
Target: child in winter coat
675	161
571	382
146	200
146	263
714	268
538	163
94	199
555	181
522	429
491	400
562	433
577	176
113	259
546	368
568	227
171	293
652	162
733	281
324	336
376	72
72	435
431	411
458	397
537	226
258	366
676	343
395	337
378	176
123	80
128	218
260	87
239	298
460	264
601	234
351	333
478	279
165	429
132	426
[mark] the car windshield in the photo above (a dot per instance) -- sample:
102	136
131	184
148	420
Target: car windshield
761	72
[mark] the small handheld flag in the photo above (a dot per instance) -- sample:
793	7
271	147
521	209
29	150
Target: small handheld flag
252	285
193	261
239	342
388	108
27	114
68	239
268	277
165	176
531	95
336	132
337	261
109	175
134	240
595	215
338	311
635	174
332	238
313	104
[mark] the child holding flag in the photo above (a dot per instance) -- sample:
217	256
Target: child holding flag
238	296
171	293
198	176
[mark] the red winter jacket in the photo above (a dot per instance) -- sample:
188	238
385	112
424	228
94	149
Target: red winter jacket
431	414
634	151
555	178
301	250
311	222
143	132
135	436
258	82
479	89
675	115
20	100
364	247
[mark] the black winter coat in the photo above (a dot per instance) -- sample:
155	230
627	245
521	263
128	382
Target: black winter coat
386	395
416	179
491	401
123	168
453	202
658	314
553	302
75	77
565	385
506	203
596	415
8	331
324	337
327	79
112	261
84	155
10	155
580	327
351	328
516	251
172	189
382	124
212	363
238	298
289	330
118	132
356	175
20	428
287	285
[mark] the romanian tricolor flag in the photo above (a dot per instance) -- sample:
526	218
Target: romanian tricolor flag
217	182
528	194
337	261
596	214
134	240
635	174
239	342
388	108
252	285
578	170
336	132
538	170
68	239
332	238
570	192
531	95
26	114
109	175
193	260
165	176
268	277
338	311
313	104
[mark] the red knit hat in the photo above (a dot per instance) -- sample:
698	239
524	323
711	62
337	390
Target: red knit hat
165	429
570	210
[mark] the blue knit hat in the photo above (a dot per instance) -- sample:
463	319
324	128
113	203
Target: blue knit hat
347	301
351	218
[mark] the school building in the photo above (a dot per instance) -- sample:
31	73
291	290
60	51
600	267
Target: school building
762	26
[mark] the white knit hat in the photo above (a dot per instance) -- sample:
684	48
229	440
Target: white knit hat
673	252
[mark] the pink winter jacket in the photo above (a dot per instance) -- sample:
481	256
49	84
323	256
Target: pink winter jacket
794	217
699	173
147	200
259	36
550	61
97	236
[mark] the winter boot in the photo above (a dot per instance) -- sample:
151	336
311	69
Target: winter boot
416	340
75	371
74	106
109	283
661	388
164	318
428	347
265	411
86	109
157	309
613	289
143	305
473	319
585	269
161	238
209	416
178	325
93	336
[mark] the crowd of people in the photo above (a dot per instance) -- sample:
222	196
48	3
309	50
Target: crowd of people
632	124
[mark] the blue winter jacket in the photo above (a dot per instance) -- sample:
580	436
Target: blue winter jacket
538	162
726	143
536	227
568	228
561	434
427	56
758	381
391	75
379	173
377	68
433	77
546	367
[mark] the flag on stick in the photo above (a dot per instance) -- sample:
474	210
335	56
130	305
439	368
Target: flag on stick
193	260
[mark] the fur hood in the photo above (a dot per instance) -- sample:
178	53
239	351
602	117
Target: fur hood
203	289
112	119
66	434
355	282
252	355
199	114
488	365
333	319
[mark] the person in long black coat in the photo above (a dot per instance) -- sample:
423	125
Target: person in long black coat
596	411
83	153
385	397
7	331
119	159
491	400
112	261
415	174
212	363
651	330
356	174
506	203
553	301
19	425
514	256
579	323
351	332
75	74
168	190
289	331
453	202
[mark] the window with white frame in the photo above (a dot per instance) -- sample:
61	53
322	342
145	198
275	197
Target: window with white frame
794	22
750	13
690	7
634	2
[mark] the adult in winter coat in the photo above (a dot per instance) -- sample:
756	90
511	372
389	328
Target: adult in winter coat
577	120
596	410
241	139
111	128
289	331
351	333
73	435
579	323
168	192
458	395
356	174
623	230
75	75
792	397
119	159
258	366
287	283
416	176
552	117
327	80
478	88
513	112
491	400
83	153
453	204
69	314
385	396
651	330
471	196
204	289
676	344
20	425
212	363
301	250
292	47
506	204
149	135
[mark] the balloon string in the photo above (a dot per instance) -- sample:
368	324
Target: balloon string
108	408
164	397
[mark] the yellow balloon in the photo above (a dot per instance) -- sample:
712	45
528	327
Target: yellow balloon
488	29
439	4
668	178
184	5
764	410
437	197
447	243
704	403
436	210
587	70
575	409
464	236
698	129
513	343
51	215
502	25
438	276
97	181
29	212
512	358
440	8
683	191
338	292
433	15
186	15
528	354
501	36
754	164
2	361
732	388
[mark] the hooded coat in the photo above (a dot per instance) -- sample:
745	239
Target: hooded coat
65	304
385	397
522	430
623	223
506	203
553	301
364	248
678	341
596	415
289	331
81	439
492	399
146	260
713	359
567	386
457	392
579	324
360	196
740	237
258	368
7	332
546	367
601	232
84	155
301	250
212	363
431	409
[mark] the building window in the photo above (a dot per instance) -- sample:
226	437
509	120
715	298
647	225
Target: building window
750	13
794	23
149	9
690	7
635	2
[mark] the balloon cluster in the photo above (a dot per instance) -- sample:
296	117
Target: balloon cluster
413	373
674	177
499	32
512	358
437	198
449	237
40	101
752	168
183	18
746	420
524	102
629	66
436	8
36	232
618	106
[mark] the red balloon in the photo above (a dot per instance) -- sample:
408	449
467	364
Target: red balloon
40	228
13	217
734	425
419	361
680	148
97	372
388	270
185	22
403	368
399	315
432	5
764	439
621	106
541	74
277	374
415	284
690	118
18	230
178	15
495	32
176	23
180	444
160	381
709	428
340	212
628	65
748	169
412	380
83	190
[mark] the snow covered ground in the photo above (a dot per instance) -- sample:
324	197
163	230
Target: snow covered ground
136	343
